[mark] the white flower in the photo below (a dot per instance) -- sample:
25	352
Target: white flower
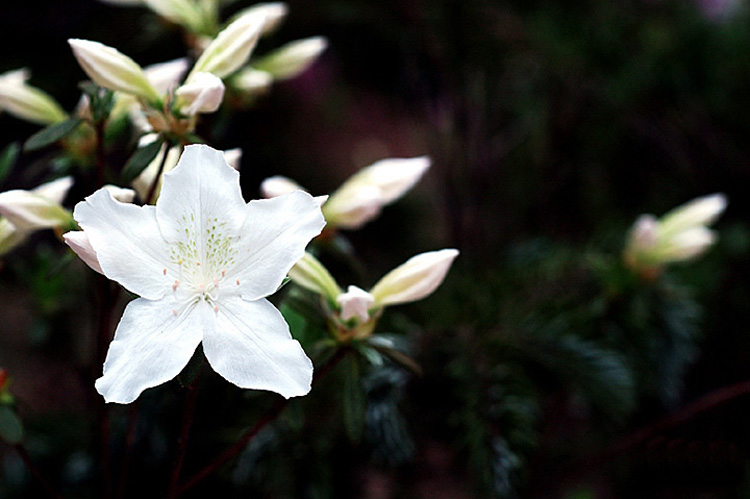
293	58
363	195
39	208
112	69
202	262
27	102
203	93
680	235
142	183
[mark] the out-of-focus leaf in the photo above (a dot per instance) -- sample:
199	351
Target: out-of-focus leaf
354	401
51	134
11	429
8	158
140	160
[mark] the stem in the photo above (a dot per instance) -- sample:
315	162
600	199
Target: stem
21	450
155	183
187	422
269	416
129	442
101	166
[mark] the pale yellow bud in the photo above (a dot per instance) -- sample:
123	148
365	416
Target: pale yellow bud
202	93
309	273
27	102
293	58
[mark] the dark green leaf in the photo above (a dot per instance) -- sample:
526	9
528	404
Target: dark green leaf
354	401
51	134
140	160
11	429
8	158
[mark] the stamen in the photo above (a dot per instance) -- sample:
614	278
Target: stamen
223	272
176	283
238	282
164	271
198	264
216	282
174	312
216	309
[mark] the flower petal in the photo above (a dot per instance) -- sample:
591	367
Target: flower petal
79	242
151	346
249	344
274	236
127	242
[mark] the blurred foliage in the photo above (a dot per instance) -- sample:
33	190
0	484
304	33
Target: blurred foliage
551	126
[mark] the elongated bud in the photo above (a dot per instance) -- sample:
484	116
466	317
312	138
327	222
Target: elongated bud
273	12
278	185
165	75
27	102
415	279
122	194
680	235
362	196
231	48
78	241
356	302
182	12
32	210
10	237
111	69
311	274
251	81
202	93
293	58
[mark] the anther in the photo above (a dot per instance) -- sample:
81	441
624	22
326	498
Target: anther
223	272
176	283
238	282
174	312
216	309
164	271
198	264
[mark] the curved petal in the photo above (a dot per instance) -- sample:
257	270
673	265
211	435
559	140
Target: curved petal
274	237
151	346
249	344
127	242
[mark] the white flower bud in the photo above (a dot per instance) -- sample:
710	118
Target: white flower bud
165	75
251	81
233	157
274	13
277	186
79	243
182	12
31	210
10	236
293	58
27	102
362	196
231	48
111	69
356	302
680	235
202	93
415	279
309	273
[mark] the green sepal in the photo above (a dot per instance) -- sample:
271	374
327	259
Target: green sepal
11	428
51	134
140	159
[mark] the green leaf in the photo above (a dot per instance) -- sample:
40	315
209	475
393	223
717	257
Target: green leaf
8	158
11	429
51	134
354	401
140	160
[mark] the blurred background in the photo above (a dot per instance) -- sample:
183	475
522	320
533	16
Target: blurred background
551	127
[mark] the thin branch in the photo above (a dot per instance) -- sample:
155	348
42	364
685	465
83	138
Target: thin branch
155	183
270	415
187	422
129	442
21	450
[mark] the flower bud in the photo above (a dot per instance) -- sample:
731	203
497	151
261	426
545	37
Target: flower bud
274	13
278	185
79	243
122	194
111	69
202	93
415	279
182	12
233	157
293	58
27	102
231	48
38	209
251	82
10	237
309	273
680	235
356	302
363	195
